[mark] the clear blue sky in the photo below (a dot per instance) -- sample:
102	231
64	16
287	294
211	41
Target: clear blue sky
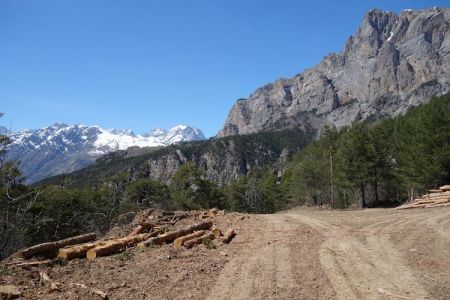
146	64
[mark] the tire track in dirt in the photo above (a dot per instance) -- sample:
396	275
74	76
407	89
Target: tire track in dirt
365	265
366	254
262	271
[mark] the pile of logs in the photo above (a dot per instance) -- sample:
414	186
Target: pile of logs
146	233
435	198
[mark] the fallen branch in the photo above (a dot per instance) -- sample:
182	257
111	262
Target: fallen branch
31	263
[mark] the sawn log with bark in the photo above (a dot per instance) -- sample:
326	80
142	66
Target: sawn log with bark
50	247
172	235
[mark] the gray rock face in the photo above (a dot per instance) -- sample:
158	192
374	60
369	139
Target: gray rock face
393	62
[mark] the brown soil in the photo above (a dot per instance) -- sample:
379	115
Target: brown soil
298	254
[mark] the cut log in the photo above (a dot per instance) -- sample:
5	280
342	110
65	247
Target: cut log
116	245
228	236
445	187
443	196
172	235
217	232
142	227
439	205
411	206
78	251
191	243
53	246
178	242
432	195
442	204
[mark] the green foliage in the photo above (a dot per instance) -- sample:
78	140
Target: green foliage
258	192
189	189
144	193
378	164
208	243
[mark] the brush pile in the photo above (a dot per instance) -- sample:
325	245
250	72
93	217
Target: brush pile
153	229
435	198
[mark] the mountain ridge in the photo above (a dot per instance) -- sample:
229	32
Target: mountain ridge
393	62
62	148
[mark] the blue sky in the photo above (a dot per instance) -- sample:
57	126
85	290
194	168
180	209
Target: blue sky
145	64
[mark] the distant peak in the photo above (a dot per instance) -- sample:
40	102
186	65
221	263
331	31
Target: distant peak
181	127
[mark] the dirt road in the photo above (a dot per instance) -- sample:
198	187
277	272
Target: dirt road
299	254
370	254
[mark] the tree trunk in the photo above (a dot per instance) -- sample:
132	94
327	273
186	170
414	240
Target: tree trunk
377	197
53	246
116	245
78	250
331	173
363	196
171	236
182	239
191	243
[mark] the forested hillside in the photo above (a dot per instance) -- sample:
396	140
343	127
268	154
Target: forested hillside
379	164
222	160
384	163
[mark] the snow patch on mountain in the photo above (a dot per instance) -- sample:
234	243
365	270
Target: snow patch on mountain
76	146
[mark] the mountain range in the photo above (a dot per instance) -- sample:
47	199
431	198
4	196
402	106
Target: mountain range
392	63
63	148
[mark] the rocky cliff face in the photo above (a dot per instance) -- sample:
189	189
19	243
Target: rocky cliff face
393	62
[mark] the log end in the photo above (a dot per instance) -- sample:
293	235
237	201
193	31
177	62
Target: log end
229	235
217	232
178	242
91	254
62	254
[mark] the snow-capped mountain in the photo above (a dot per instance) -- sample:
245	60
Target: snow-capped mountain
63	148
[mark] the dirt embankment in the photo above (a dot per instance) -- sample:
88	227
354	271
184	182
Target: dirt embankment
299	254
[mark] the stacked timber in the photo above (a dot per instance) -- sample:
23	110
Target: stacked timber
172	235
435	198
149	231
